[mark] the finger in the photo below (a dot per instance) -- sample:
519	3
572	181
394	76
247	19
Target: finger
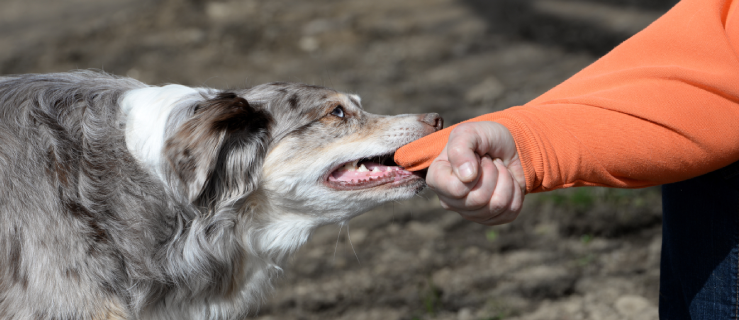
514	203
504	205
442	180
461	152
503	196
479	196
518	196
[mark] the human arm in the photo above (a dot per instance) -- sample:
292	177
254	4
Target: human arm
660	108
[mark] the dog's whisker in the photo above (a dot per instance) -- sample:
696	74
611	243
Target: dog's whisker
350	243
341	225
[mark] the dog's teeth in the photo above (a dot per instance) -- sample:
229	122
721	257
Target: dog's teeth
362	168
389	169
376	169
355	163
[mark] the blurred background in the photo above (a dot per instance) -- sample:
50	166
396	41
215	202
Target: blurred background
584	253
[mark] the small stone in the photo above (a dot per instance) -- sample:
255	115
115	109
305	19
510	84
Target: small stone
133	73
218	10
486	92
464	314
632	306
393	229
426	231
358	236
308	44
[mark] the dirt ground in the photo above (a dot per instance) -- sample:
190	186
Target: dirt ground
572	254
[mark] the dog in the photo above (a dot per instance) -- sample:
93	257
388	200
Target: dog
121	200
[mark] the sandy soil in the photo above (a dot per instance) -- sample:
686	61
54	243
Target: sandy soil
572	254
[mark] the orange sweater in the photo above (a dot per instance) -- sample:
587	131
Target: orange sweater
661	107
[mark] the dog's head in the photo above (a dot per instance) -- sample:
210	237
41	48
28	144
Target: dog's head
330	158
309	150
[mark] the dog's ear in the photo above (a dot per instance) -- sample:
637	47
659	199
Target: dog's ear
220	150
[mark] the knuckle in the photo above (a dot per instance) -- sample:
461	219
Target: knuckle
431	174
457	191
516	206
475	202
457	151
431	183
500	201
496	207
466	127
450	187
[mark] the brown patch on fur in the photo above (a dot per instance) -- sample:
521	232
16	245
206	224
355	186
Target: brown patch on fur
72	273
194	150
330	102
354	101
293	101
232	287
279	83
310	86
97	233
16	266
110	310
72	206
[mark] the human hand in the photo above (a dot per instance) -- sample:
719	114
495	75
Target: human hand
479	174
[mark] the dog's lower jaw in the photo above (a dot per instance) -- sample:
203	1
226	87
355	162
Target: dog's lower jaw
312	197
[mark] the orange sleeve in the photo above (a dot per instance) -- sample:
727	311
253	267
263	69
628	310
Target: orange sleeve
661	107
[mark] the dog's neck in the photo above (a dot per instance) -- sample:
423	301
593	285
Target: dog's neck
150	111
147	113
278	235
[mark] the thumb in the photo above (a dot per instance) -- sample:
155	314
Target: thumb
463	152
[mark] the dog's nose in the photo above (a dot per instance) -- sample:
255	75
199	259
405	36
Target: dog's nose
432	119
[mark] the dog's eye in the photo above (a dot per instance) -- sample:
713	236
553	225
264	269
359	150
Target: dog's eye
338	111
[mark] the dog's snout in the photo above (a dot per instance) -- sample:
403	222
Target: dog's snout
432	119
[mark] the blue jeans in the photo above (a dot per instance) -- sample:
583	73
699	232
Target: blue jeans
700	247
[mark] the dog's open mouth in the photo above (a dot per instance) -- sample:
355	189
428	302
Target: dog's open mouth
368	173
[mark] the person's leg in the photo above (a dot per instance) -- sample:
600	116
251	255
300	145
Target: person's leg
700	247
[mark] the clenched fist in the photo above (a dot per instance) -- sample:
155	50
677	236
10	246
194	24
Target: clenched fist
479	174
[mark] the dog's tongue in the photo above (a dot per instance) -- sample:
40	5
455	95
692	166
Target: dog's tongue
366	170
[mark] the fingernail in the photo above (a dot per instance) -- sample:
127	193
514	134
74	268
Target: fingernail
466	171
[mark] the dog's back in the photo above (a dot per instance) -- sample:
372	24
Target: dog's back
62	165
89	231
